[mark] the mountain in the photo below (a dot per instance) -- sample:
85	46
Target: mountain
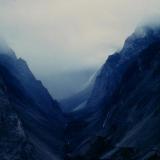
114	117
41	117
120	119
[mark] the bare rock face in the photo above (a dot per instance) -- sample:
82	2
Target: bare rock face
14	145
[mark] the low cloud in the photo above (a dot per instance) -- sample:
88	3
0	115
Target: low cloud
60	35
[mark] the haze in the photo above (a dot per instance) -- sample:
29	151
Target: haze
57	36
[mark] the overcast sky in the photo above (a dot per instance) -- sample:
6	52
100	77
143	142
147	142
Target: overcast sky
58	35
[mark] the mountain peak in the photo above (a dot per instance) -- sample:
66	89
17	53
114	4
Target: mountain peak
148	30
141	37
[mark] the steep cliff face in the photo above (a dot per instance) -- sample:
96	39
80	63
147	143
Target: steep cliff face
120	120
41	116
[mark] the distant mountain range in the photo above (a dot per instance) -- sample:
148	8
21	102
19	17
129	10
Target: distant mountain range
66	84
115	116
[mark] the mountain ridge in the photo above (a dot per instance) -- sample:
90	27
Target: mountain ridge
112	113
42	118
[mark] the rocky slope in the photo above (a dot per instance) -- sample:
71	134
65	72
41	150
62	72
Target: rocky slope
120	120
14	144
42	119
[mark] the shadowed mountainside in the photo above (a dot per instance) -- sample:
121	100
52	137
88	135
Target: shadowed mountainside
120	119
42	119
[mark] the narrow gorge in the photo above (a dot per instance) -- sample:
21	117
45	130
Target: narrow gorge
115	117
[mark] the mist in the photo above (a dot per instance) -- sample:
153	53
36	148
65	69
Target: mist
59	36
65	84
